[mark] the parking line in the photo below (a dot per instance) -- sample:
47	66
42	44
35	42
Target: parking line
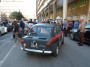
1	62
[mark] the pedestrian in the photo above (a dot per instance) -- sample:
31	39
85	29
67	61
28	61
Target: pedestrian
76	24
22	25
16	31
30	24
65	27
48	21
70	25
82	31
13	26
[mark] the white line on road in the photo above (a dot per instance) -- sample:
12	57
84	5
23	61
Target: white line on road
6	40
1	62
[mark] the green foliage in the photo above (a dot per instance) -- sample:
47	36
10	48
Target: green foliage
3	16
16	15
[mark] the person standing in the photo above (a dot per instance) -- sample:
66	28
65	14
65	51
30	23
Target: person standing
76	24
30	24
65	27
82	31
22	25
16	29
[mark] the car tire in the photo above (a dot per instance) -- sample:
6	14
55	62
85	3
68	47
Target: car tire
56	52
63	41
72	36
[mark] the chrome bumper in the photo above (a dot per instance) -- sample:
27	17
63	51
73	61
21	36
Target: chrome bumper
37	51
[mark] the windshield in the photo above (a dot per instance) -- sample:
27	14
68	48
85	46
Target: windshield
41	31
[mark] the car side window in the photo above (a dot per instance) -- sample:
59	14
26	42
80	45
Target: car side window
57	30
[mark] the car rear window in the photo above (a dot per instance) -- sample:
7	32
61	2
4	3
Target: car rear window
46	31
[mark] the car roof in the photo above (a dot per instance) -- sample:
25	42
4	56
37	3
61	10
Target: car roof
45	25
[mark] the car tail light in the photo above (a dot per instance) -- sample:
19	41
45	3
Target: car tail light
23	42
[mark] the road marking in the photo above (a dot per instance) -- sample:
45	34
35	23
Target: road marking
6	40
1	62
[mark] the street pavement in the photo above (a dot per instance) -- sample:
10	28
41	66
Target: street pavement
70	55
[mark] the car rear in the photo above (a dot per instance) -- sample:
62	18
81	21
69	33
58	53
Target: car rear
38	40
36	44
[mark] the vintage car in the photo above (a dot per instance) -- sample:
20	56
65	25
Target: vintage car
74	34
43	38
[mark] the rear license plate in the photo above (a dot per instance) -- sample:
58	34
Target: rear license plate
34	45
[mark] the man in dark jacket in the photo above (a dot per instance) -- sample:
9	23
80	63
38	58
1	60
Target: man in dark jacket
22	25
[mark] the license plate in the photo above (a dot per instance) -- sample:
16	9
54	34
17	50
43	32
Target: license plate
34	45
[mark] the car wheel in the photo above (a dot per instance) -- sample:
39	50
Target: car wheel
63	41
56	52
72	36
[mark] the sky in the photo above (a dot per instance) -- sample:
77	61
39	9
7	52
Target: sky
27	7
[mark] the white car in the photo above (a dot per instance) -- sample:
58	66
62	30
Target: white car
3	29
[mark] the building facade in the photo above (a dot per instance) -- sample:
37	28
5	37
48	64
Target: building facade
67	9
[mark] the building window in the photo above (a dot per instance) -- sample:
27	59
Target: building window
74	4
83	2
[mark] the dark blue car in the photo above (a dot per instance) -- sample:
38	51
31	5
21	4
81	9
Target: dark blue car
43	38
74	34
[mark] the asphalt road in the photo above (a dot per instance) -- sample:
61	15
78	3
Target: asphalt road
70	55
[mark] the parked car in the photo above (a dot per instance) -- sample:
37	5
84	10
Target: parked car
3	29
43	38
74	34
9	27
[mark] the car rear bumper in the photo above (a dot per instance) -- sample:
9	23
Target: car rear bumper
37	51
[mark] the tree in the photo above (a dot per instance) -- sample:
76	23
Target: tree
3	16
16	15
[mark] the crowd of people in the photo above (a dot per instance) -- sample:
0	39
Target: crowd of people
20	28
77	24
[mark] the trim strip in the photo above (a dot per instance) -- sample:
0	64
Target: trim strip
38	51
